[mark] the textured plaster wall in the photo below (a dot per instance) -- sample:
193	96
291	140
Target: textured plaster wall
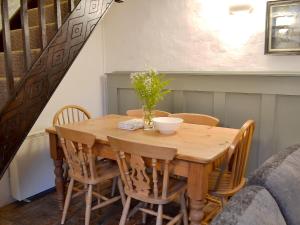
189	35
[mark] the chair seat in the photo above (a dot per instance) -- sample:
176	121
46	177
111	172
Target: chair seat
175	187
105	169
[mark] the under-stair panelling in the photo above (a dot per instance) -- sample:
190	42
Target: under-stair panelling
35	39
33	14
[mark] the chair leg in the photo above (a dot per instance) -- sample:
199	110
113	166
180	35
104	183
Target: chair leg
179	222
113	187
223	201
121	190
183	209
98	191
67	201
159	218
88	204
125	211
144	219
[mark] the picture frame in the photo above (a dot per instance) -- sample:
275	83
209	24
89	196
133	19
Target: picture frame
282	35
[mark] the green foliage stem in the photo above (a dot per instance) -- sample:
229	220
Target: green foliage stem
150	87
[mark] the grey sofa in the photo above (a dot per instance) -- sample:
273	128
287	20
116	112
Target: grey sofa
272	195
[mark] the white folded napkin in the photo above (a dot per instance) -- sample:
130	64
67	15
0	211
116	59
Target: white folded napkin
132	124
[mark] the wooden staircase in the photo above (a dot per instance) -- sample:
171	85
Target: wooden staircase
34	58
17	46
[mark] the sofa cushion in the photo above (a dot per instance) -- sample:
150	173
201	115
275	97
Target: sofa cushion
280	175
253	205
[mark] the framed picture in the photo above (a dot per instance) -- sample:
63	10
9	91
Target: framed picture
283	27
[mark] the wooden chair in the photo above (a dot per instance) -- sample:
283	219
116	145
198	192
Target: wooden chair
70	114
139	113
200	119
224	182
84	168
145	172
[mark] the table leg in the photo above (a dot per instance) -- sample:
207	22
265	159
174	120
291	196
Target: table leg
197	191
57	157
59	183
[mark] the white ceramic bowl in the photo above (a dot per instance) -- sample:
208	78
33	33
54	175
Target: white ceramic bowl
167	125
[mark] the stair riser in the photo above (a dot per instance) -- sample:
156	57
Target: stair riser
49	2
3	92
33	15
35	40
18	63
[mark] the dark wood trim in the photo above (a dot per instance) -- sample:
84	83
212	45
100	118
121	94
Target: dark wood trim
7	46
42	21
26	34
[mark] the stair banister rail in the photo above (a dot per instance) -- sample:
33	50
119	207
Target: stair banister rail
7	46
42	23
25	33
58	13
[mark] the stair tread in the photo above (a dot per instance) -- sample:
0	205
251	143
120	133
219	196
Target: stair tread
34	36
3	78
34	27
49	5
18	61
33	15
33	50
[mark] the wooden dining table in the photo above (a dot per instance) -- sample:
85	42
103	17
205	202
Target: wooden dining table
198	148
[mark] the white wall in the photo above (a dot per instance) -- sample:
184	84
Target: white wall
82	86
189	35
5	197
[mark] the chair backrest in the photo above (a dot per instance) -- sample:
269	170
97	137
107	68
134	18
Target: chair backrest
140	165
70	114
200	119
139	113
239	152
77	147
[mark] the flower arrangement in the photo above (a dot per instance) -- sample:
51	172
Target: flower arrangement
150	87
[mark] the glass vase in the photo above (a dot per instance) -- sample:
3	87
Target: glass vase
148	118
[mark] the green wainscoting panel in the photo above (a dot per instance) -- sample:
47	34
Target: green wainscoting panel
272	99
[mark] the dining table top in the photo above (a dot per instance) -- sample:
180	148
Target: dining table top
196	143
